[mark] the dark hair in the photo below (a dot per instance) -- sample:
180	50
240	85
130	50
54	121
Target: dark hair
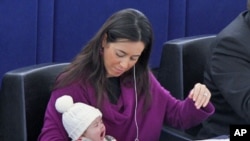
88	65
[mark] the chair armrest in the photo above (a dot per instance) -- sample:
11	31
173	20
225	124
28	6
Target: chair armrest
172	134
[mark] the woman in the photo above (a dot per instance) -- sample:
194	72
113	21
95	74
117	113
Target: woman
111	72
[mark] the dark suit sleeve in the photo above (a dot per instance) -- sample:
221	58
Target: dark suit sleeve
230	69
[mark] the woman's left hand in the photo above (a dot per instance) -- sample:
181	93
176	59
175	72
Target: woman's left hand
200	95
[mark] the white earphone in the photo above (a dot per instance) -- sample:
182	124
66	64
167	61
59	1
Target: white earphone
136	124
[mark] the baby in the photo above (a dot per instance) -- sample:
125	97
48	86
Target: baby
81	121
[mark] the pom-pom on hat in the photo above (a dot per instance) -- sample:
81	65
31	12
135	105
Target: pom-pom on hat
76	117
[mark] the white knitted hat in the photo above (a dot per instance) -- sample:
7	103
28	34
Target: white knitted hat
76	116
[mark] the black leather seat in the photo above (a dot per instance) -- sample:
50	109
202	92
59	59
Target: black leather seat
23	98
182	65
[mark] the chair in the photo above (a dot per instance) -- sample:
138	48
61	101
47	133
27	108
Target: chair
182	64
23	98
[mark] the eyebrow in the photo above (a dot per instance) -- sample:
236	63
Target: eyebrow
127	54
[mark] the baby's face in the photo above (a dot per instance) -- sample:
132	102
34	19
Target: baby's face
96	130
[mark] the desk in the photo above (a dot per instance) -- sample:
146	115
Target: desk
219	138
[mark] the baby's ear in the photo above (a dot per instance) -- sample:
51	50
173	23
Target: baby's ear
85	139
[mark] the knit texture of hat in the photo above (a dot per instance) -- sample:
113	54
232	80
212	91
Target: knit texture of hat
76	117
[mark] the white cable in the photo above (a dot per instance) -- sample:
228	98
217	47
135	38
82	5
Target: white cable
136	124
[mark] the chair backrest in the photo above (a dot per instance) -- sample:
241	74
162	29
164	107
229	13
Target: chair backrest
183	63
24	96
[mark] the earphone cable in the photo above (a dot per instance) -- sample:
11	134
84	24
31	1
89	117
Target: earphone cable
136	124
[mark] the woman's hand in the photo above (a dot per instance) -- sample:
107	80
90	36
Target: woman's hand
200	95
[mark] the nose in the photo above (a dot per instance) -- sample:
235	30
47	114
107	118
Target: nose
102	126
124	63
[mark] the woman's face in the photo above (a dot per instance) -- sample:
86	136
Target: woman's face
96	130
121	56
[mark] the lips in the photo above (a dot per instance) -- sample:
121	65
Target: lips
102	135
119	70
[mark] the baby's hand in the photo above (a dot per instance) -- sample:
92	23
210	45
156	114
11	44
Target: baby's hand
110	138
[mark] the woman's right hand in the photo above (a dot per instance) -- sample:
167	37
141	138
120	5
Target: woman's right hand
200	95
